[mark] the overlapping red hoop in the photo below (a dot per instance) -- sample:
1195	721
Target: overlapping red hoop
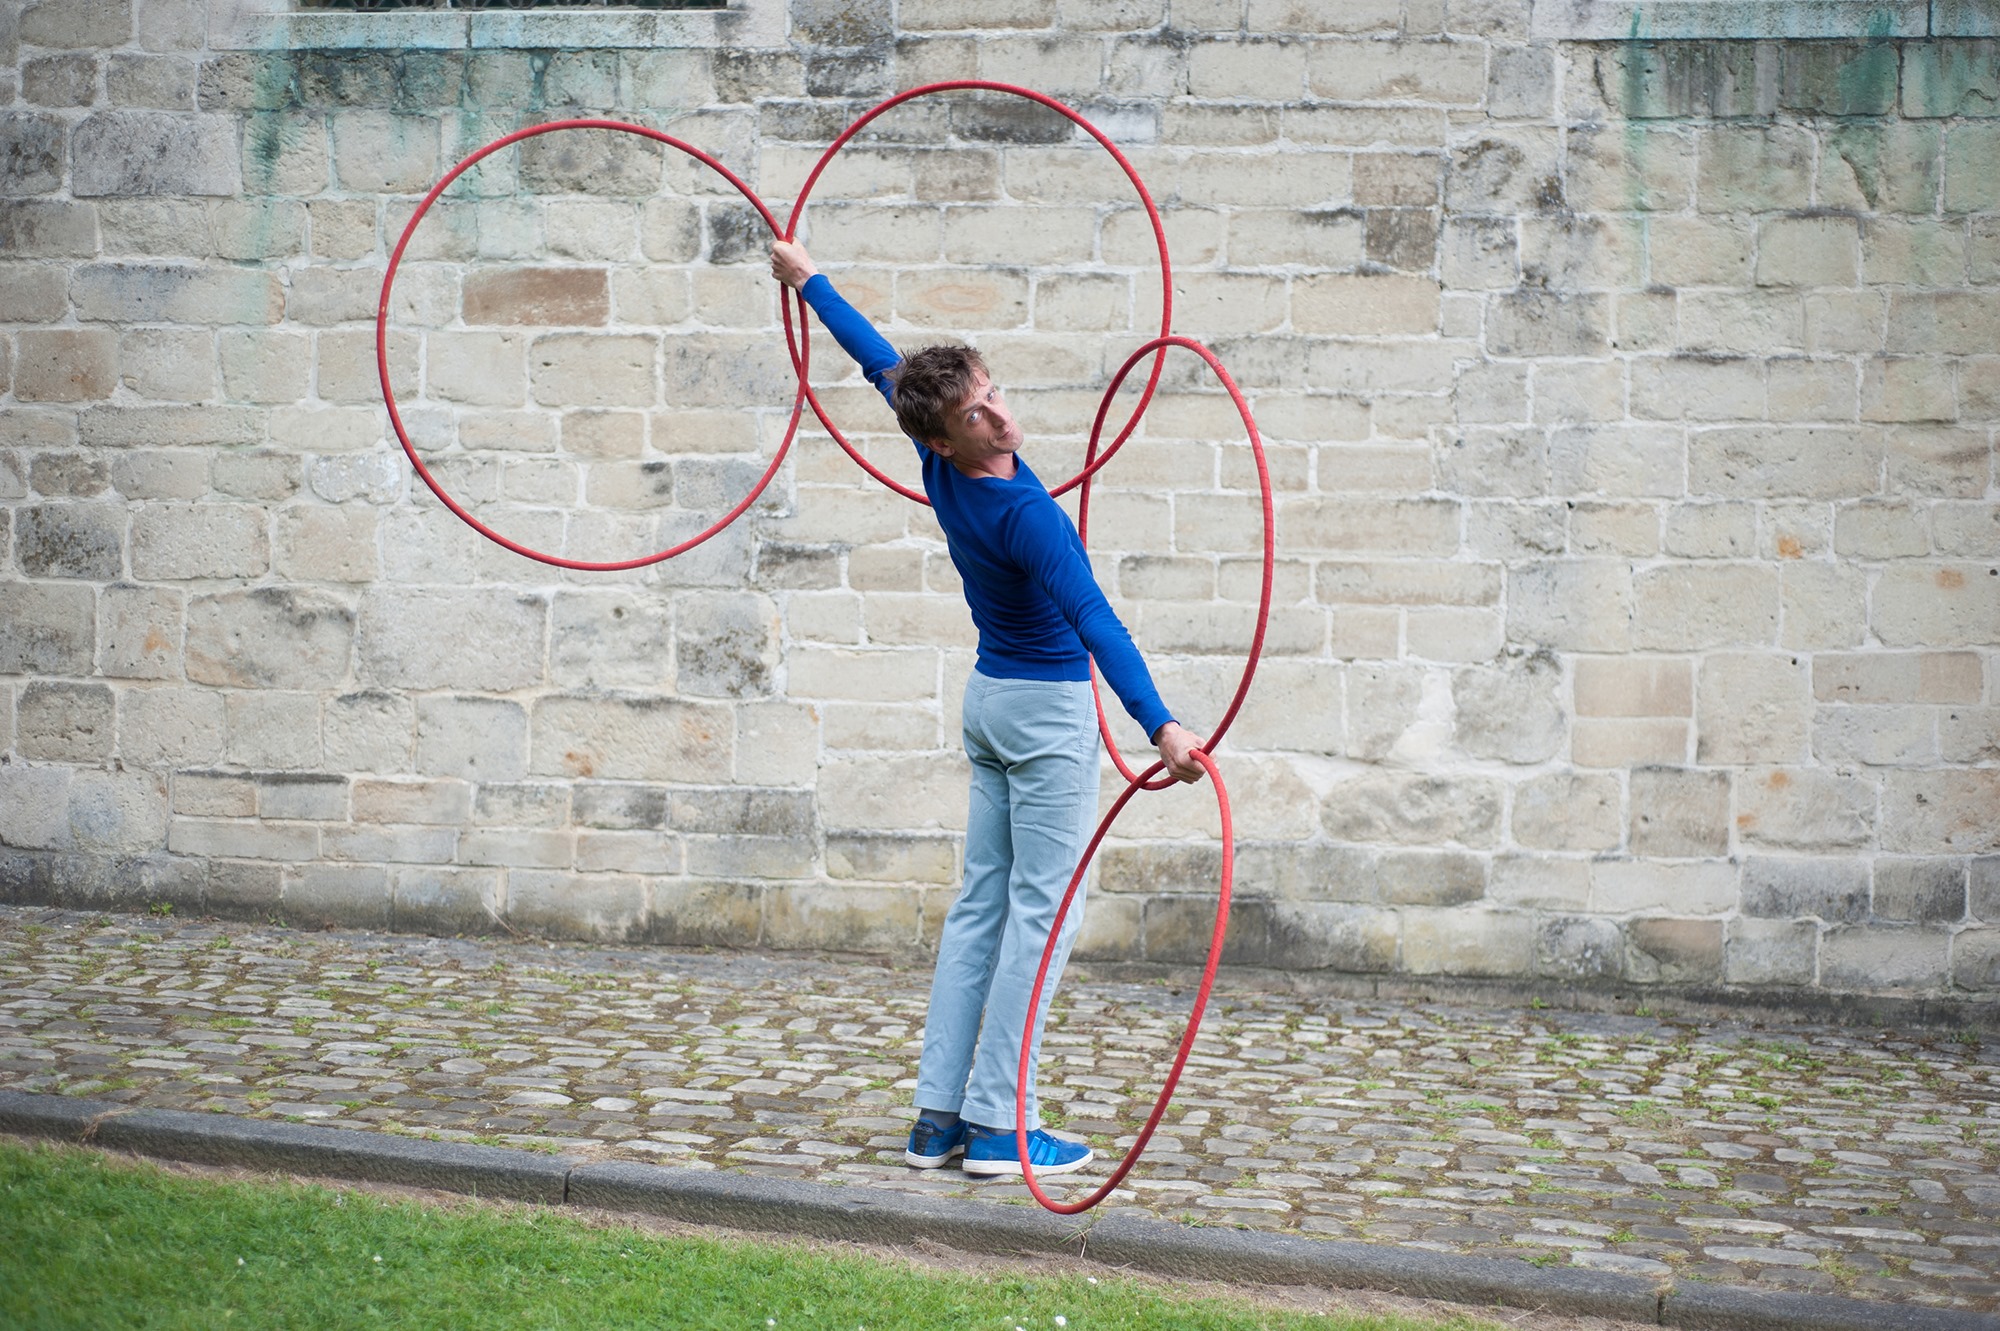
1124	164
1228	877
801	355
1091	464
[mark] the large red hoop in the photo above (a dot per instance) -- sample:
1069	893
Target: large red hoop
801	356
1227	879
1092	463
1131	174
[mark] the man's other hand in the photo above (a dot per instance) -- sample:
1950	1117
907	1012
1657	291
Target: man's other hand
791	264
1177	746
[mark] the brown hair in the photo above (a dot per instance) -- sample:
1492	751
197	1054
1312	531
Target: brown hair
931	384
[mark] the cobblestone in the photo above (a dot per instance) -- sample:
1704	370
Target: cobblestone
1838	1160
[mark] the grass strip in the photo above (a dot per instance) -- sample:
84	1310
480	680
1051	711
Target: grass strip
99	1242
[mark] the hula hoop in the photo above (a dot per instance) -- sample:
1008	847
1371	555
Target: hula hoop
1131	174
1132	787
1091	465
801	356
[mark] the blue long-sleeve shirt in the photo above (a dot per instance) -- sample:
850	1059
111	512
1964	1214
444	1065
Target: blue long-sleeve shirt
1039	612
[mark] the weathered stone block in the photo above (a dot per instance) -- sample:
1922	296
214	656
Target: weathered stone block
1948	811
1924	891
1467	942
1674	951
1510	712
1691	888
1833	890
892	859
32	147
328	896
273	729
368	732
604	907
1876	736
1413	809
631	739
777	743
409	800
176	293
872	793
486	640
379	153
1752	709
1770	952
320	796
438	900
1567	811
594	370
1859	958
184	541
1575	605
537	297
37	228
34	805
479	739
725	646
1430	878
1579	947
66	365
70	541
269	637
169	727
1975	959
844	917
696	914
1816	462
1679	812
65	722
1805	809
1684	607
139	632
154	152
1941	605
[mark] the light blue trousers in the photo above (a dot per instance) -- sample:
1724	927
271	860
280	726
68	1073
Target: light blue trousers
1033	746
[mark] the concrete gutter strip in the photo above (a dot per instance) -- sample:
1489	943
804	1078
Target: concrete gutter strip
860	1214
1702	1307
867	1215
1168	1249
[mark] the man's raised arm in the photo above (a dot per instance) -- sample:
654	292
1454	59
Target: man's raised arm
791	265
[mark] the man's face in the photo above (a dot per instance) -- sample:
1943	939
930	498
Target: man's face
981	435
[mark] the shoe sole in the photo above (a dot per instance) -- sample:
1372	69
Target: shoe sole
915	1161
993	1168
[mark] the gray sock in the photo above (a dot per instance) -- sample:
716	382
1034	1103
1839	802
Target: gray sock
944	1118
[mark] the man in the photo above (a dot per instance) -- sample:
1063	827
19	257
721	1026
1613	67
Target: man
1030	732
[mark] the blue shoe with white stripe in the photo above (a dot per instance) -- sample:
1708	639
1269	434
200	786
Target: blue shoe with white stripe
932	1147
990	1151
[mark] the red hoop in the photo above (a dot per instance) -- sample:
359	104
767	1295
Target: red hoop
1091	465
1145	198
1124	1167
801	356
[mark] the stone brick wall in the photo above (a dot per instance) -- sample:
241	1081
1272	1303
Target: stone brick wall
1630	406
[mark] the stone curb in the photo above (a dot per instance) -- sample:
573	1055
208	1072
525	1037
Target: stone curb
218	1139
860	1214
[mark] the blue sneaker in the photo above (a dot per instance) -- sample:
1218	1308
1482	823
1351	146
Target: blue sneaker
991	1151
932	1147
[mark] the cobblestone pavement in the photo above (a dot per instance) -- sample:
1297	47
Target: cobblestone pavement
1842	1161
